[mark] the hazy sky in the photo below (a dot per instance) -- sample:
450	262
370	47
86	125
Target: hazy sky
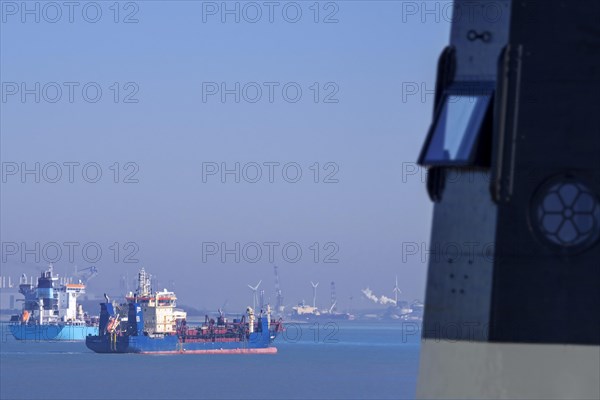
170	127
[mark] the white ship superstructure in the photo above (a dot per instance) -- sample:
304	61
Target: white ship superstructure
159	308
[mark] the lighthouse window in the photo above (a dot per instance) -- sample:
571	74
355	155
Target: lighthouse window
453	137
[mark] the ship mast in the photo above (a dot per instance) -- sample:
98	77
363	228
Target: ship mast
279	306
144	287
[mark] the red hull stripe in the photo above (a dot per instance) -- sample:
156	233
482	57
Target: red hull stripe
268	350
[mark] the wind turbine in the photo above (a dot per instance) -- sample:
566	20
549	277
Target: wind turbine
254	290
314	285
396	291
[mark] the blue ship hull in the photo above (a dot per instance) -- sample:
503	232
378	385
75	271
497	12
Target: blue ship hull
174	344
52	332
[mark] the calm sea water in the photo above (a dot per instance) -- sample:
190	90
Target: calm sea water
356	361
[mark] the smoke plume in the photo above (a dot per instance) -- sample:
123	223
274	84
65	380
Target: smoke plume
368	293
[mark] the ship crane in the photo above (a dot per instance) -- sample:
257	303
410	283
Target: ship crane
332	308
396	291
333	301
85	274
224	305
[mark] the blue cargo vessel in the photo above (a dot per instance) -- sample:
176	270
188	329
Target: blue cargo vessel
149	323
51	312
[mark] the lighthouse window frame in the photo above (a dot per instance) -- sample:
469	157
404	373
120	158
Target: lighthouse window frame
454	134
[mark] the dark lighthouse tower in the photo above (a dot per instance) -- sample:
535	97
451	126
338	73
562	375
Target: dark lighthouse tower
513	294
